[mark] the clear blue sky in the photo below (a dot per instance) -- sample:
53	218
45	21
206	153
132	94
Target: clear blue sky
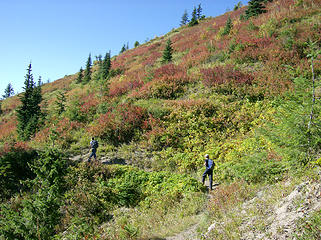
56	36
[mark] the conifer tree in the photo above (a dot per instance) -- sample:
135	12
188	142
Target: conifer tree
199	12
29	112
8	92
60	102
136	44
194	20
80	76
99	59
105	67
238	6
228	26
255	8
184	20
87	72
123	49
167	54
0	107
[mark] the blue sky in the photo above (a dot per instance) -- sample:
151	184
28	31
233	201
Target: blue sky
56	36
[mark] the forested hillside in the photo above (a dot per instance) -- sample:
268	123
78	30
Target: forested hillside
243	87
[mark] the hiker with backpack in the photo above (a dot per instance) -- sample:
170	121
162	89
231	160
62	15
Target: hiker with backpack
93	147
209	164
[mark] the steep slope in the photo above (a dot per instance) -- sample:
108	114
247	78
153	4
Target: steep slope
242	96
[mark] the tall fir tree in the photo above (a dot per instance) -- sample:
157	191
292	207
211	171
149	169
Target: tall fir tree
87	72
29	112
105	66
80	76
168	51
184	20
8	92
136	44
255	8
60	103
199	11
194	20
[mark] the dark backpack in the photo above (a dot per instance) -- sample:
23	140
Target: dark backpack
95	144
211	164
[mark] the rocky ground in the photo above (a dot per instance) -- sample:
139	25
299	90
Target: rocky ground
266	216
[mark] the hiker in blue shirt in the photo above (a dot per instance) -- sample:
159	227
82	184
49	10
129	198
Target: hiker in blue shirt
209	170
93	147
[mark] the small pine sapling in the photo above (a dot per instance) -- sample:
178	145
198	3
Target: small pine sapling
167	54
194	20
184	20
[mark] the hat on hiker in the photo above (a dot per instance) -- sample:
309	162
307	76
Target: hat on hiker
206	156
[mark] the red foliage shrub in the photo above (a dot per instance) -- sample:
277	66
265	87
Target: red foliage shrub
8	128
89	104
220	75
61	132
195	57
17	147
129	81
119	124
150	60
62	83
254	49
169	81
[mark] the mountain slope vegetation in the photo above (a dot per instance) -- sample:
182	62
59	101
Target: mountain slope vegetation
246	91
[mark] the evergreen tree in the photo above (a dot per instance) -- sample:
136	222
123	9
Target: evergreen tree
228	26
194	20
167	54
199	12
80	76
8	92
105	67
99	59
0	107
87	73
255	8
123	49
238	6
60	102
40	213
136	44
184	20
29	112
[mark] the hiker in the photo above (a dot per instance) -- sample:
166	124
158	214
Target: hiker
93	147
209	164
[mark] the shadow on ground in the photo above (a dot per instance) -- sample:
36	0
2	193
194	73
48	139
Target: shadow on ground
120	161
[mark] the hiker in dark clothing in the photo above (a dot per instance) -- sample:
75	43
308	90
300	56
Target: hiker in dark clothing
93	147
209	164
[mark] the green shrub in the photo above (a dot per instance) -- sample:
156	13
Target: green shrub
38	214
14	167
309	227
255	169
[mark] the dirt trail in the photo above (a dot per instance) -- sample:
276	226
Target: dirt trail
188	234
